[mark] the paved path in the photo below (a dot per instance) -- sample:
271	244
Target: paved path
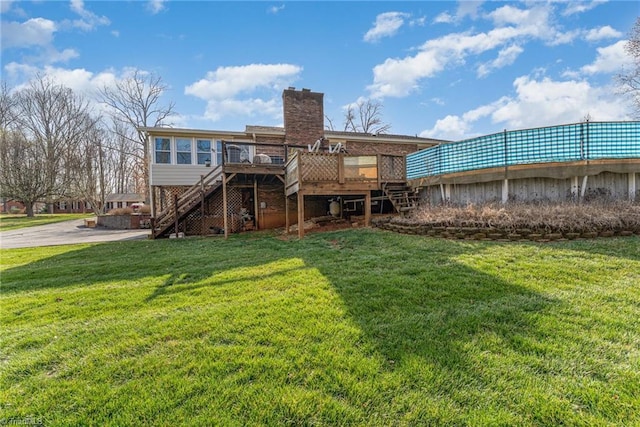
65	233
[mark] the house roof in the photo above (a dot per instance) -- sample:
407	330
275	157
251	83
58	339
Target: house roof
360	136
251	131
125	197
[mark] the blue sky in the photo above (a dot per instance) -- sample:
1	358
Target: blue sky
441	69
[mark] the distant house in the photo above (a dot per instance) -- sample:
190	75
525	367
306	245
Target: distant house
71	206
10	206
123	200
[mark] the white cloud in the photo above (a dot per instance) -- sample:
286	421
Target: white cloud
156	6
275	9
5	5
465	8
115	33
80	80
444	18
223	89
89	19
601	33
506	56
610	59
537	102
34	32
574	7
387	24
449	128
399	77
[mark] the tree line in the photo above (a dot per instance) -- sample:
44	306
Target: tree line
54	146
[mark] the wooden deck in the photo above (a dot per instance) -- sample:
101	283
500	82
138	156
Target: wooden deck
333	174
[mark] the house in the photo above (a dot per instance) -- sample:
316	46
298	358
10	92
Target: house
71	206
208	181
10	206
123	200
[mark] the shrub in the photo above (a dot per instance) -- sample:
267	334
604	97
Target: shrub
120	211
548	217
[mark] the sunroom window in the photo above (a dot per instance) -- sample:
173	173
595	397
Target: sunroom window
163	150
203	149
183	151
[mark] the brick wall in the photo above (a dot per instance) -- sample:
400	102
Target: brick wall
303	116
359	148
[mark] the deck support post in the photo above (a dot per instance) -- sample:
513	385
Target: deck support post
256	205
202	222
584	187
575	188
505	191
175	210
300	215
367	209
225	206
287	222
632	186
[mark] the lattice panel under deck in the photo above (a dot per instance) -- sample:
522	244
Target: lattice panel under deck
392	168
319	167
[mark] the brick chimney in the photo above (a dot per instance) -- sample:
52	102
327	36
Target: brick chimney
303	116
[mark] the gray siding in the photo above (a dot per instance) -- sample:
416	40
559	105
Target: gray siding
177	174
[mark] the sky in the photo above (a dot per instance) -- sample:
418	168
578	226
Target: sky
448	70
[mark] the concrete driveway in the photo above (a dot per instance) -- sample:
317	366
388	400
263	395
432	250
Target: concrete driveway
65	233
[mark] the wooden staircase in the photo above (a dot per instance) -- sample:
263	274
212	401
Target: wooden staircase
403	198
189	201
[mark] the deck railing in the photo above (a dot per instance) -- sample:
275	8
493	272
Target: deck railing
565	143
343	168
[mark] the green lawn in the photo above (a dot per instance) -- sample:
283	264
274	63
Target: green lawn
14	222
356	327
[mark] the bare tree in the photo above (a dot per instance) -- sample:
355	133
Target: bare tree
21	176
629	80
365	116
92	169
43	127
134	102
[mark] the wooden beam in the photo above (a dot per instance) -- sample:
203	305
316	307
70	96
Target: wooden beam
175	209
256	213
632	187
340	168
202	222
224	206
379	169
367	209
300	214
287	222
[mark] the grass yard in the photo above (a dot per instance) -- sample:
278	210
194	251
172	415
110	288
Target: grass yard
14	222
355	327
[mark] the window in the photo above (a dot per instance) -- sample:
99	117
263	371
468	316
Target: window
203	150
218	152
62	206
163	150
183	151
75	206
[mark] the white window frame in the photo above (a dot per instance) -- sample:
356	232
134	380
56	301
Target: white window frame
210	153
171	151
182	139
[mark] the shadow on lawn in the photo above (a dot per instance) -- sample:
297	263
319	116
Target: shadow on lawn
417	300
409	295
